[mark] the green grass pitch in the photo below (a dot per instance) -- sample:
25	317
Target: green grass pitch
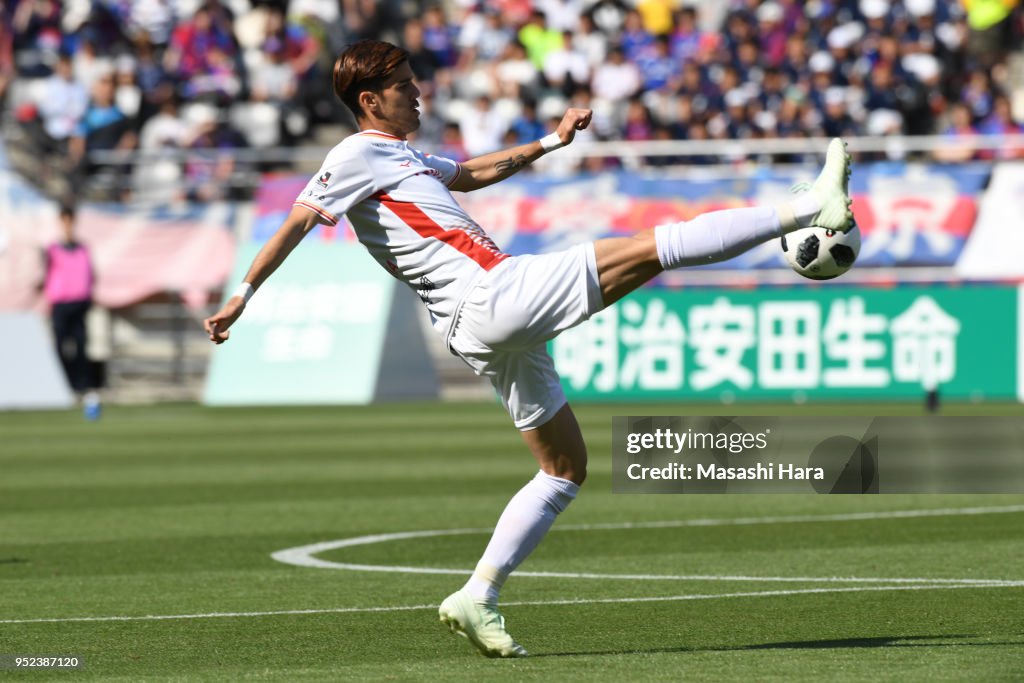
175	512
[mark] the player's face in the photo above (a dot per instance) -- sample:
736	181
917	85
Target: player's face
399	103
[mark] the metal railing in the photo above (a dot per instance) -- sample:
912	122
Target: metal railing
727	151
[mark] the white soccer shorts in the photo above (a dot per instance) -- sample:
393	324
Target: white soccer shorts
507	318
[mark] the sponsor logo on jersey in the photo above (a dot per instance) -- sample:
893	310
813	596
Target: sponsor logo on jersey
322	180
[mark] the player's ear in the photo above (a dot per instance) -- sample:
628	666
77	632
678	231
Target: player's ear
368	101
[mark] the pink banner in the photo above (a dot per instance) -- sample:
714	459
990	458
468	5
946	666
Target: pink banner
135	255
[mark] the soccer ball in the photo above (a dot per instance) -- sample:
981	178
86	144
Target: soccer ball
819	253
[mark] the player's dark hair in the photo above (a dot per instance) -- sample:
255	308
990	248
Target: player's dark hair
365	66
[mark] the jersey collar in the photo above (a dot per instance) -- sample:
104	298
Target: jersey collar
378	134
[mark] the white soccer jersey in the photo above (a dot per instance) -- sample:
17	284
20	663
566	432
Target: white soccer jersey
398	202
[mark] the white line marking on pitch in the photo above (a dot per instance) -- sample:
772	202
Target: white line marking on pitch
521	603
915	584
303	556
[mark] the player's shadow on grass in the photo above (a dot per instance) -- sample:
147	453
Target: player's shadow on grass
840	643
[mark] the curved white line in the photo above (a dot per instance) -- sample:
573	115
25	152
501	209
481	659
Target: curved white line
303	556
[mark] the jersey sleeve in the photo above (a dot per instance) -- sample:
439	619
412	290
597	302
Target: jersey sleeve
448	168
343	181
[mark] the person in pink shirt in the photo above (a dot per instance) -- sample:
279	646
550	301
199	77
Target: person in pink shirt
68	287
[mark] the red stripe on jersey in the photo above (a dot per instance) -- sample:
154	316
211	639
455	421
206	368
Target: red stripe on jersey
378	134
331	220
413	216
458	172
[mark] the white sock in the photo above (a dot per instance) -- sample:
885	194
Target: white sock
522	525
715	236
800	212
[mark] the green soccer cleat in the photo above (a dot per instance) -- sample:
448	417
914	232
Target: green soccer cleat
482	624
832	190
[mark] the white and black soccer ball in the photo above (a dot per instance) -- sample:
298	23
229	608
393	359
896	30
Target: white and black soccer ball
819	253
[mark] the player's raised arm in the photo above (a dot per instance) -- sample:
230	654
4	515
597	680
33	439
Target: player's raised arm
490	168
299	222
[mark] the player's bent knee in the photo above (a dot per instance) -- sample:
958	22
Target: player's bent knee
573	468
579	474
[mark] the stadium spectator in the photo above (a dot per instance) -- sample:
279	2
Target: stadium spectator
482	36
562	15
200	55
658	69
883	90
771	33
991	29
635	40
566	67
734	121
1002	122
7	70
698	131
211	165
165	130
616	80
37	36
439	37
516	75
900	62
90	61
62	106
482	127
103	127
960	130
539	38
151	20
527	126
424	62
299	49
273	78
837	121
978	95
773	90
657	16
152	79
590	42
702	93
127	94
451	146
687	40
361	19
67	288
795	64
739	28
638	124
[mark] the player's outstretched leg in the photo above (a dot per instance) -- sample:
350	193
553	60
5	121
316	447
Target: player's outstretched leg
481	623
625	263
721	235
826	203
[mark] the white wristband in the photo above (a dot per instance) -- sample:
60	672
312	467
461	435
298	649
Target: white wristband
551	142
245	291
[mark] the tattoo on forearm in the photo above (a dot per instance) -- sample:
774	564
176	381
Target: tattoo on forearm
511	164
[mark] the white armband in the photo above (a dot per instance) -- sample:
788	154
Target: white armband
551	142
245	291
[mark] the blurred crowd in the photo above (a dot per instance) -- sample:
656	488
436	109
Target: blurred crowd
214	76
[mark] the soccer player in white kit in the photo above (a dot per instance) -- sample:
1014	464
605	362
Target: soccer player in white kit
497	311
